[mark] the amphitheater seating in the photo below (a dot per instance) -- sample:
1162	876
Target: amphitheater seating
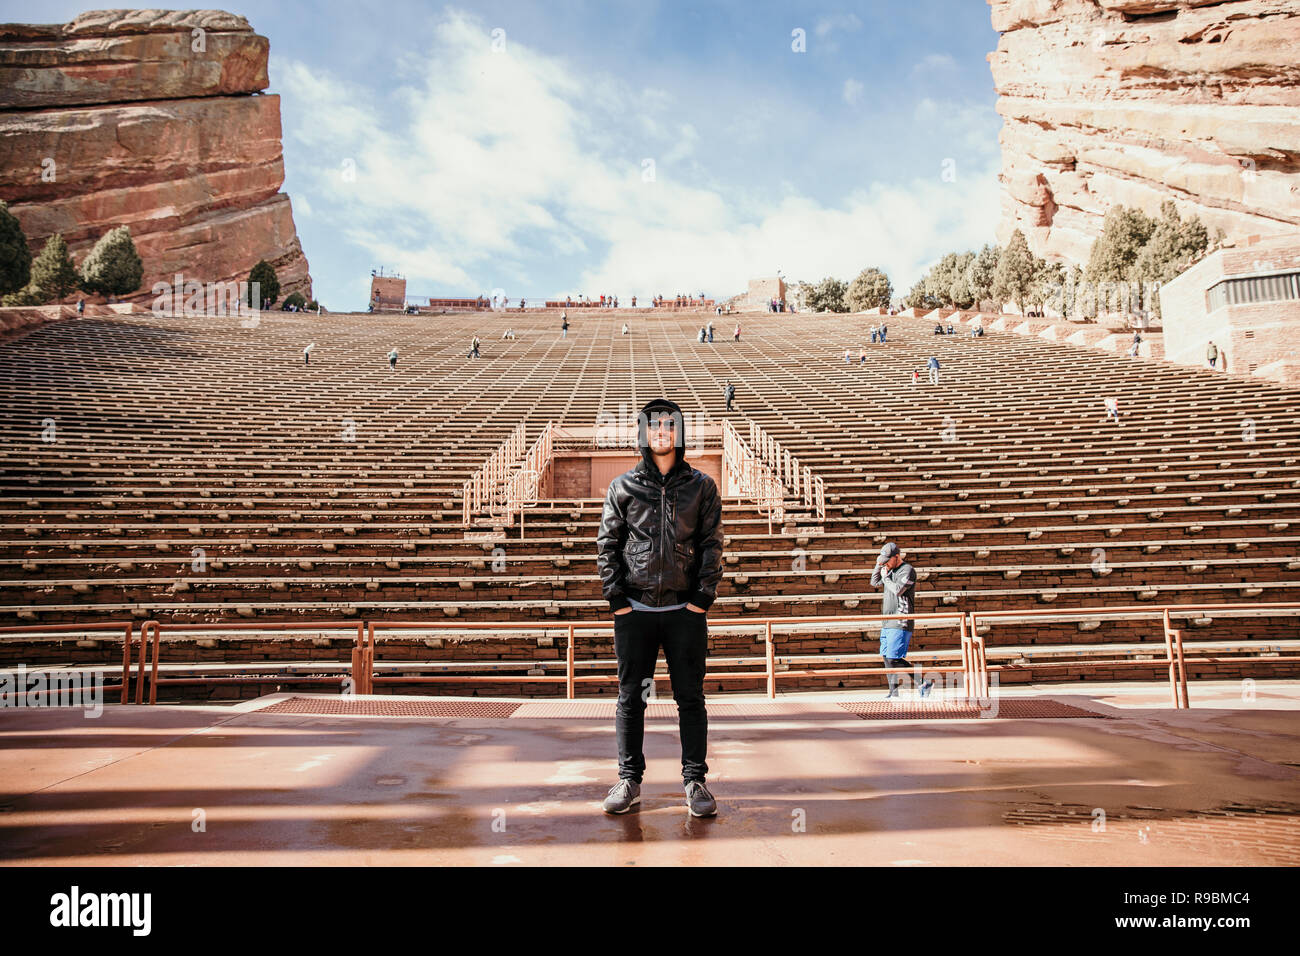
194	469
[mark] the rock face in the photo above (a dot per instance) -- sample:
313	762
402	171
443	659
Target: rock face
1133	102
153	120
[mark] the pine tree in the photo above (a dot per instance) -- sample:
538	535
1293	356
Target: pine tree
828	296
1124	232
870	290
53	272
264	274
113	267
941	277
979	275
1014	275
15	257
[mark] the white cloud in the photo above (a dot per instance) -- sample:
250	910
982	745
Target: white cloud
836	22
491	166
971	130
853	91
684	145
933	63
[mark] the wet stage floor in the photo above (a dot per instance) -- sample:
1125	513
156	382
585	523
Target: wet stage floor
801	780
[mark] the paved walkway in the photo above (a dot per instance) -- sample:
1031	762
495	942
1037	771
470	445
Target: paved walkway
800	781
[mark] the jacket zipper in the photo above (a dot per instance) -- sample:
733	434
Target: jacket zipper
663	527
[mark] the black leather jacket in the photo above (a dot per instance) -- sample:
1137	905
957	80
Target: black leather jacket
660	538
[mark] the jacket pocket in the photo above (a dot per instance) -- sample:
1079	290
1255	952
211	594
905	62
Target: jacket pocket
637	556
683	566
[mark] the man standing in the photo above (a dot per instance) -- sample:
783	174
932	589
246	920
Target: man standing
899	581
564	325
730	393
392	359
1211	354
659	556
934	370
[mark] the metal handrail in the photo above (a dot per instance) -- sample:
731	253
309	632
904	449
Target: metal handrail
972	649
481	487
126	627
368	679
1175	656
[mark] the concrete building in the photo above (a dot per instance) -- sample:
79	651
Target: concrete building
1246	300
763	291
387	293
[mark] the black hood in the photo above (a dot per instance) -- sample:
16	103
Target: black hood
643	444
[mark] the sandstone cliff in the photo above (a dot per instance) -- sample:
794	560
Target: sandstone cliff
155	120
1132	102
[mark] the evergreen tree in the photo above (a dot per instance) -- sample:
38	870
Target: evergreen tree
1048	285
919	298
941	277
113	267
1014	275
979	275
828	296
959	293
53	273
15	257
1174	244
1124	232
263	273
870	290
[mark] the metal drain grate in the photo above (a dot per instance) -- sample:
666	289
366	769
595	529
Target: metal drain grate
392	708
1005	709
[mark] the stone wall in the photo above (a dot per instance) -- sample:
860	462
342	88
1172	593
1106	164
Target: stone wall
1253	339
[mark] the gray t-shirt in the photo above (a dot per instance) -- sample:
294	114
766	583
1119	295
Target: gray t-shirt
638	606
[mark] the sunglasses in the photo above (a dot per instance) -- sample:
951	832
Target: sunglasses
663	423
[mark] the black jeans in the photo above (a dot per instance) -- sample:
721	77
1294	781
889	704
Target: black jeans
893	678
684	636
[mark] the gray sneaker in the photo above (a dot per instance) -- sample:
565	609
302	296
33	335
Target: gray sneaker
623	796
699	801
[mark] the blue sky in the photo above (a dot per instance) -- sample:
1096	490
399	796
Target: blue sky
629	148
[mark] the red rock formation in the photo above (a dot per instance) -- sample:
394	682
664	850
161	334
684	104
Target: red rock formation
144	130
1133	102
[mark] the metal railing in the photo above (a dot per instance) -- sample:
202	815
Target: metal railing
155	629
1176	657
480	489
521	488
750	477
971	652
968	652
102	630
789	473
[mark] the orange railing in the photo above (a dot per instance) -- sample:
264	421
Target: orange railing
967	652
1175	650
155	629
750	477
123	628
971	652
480	489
